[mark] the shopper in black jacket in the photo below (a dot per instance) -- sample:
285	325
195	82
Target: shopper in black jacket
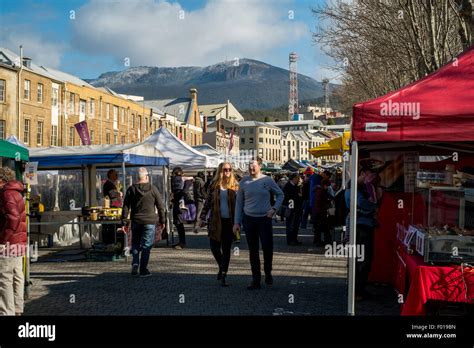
199	195
294	206
141	201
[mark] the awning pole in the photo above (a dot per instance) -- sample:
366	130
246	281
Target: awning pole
124	186
353	232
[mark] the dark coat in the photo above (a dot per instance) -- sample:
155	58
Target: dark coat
293	193
110	190
212	205
12	214
141	200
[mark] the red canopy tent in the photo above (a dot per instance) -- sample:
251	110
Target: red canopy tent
437	108
444	99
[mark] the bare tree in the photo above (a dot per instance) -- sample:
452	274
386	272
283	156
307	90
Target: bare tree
382	45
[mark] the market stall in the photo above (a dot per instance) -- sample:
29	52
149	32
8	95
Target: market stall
179	153
336	147
70	182
422	136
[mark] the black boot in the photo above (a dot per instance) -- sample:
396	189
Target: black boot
223	282
219	275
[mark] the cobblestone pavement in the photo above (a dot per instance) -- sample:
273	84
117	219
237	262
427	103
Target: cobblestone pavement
184	282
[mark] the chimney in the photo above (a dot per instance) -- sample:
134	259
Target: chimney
204	125
194	93
26	62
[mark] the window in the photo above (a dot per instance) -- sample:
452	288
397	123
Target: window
260	140
133	120
72	103
242	131
107	138
92	136
72	134
39	133
26	91
54	135
242	141
82	109
54	97
2	130
26	132
115	114
39	94
250	140
122	116
92	107
2	90
139	121
260	130
115	138
195	139
123	139
107	111
146	124
251	130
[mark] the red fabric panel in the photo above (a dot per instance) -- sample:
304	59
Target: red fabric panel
385	263
444	283
445	100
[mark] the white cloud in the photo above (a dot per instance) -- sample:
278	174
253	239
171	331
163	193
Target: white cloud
151	32
42	50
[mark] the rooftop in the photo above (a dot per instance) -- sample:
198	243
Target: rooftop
254	124
178	107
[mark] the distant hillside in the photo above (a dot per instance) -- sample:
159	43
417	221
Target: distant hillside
249	85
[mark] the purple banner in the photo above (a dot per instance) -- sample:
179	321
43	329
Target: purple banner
83	131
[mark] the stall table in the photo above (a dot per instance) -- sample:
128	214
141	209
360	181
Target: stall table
452	283
82	224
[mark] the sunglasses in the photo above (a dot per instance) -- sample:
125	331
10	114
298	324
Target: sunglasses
227	170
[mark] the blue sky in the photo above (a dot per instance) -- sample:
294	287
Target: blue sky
89	37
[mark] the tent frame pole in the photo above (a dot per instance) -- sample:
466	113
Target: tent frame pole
353	232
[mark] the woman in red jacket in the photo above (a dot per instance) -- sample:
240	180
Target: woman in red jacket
12	243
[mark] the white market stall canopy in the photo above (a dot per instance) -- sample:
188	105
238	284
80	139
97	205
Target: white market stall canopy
180	154
76	156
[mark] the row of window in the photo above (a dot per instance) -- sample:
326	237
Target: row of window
26	91
84	106
39	133
260	130
54	134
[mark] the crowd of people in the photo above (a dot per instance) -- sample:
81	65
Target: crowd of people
226	203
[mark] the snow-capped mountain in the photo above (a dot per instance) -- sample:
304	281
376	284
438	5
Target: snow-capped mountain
248	83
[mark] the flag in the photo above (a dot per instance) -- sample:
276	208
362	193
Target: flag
231	142
83	131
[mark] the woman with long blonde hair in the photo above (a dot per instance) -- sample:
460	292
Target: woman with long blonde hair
220	206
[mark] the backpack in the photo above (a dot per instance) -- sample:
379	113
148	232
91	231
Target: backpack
188	192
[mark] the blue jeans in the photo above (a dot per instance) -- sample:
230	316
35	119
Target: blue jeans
143	237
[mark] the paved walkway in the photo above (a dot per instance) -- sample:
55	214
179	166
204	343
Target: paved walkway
184	283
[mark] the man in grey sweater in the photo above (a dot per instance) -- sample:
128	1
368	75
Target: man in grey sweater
253	209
